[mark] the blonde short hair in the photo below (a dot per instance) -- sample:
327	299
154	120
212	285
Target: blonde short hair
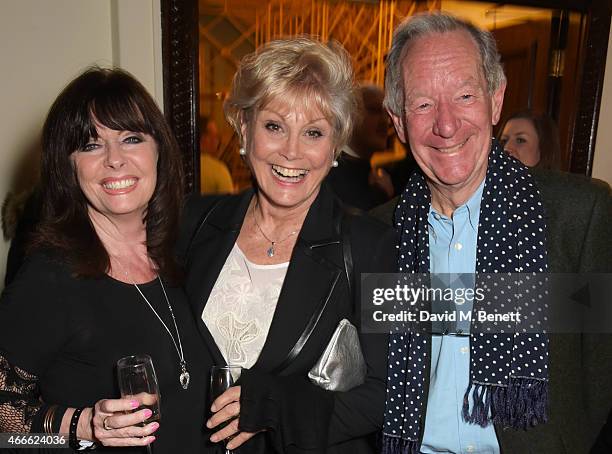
303	70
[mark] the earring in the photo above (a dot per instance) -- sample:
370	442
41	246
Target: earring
242	151
334	161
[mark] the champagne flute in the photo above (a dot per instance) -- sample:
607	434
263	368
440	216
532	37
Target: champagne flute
221	379
137	380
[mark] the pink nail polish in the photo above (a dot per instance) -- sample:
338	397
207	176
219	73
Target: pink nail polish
134	403
148	413
155	426
151	439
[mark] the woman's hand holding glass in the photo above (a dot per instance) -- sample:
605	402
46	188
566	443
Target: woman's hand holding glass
225	408
114	424
131	420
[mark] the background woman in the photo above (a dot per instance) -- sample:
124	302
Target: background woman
266	263
533	139
102	281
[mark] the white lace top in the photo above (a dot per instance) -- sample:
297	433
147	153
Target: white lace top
240	307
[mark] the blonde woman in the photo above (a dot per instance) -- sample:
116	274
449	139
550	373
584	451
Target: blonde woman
268	264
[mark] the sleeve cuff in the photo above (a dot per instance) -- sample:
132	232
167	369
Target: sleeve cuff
294	410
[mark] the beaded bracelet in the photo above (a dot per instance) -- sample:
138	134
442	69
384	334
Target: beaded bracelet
73	442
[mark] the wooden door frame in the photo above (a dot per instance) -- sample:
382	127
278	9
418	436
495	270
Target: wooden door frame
180	42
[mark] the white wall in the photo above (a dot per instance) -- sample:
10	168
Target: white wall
136	35
46	43
602	163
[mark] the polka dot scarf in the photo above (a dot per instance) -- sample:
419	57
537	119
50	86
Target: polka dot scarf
508	372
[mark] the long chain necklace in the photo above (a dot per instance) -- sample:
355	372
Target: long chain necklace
270	251
184	377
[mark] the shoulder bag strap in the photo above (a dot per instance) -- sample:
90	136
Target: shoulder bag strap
343	226
347	252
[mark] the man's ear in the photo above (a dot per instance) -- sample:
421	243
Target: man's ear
398	124
497	102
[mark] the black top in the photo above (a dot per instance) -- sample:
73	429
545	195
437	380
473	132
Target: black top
70	333
295	415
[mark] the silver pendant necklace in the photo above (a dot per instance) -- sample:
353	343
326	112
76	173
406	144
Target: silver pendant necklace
184	377
270	251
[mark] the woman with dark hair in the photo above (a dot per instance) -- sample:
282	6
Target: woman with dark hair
101	281
533	139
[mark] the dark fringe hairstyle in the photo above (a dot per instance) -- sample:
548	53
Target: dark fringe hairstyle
115	99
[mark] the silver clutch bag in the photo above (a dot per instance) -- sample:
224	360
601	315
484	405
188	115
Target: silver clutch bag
341	366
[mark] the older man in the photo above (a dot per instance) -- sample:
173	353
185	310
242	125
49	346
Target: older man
473	209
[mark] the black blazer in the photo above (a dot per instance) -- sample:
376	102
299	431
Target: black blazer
297	415
579	240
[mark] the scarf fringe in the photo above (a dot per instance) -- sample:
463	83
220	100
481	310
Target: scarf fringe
520	405
397	445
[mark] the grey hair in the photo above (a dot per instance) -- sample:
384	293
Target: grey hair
300	70
423	24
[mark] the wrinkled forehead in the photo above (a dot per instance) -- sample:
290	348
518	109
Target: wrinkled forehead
441	55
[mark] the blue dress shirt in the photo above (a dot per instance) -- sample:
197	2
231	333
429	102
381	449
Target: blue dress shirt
452	249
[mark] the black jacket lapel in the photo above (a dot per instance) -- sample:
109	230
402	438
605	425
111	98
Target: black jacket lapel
208	254
313	274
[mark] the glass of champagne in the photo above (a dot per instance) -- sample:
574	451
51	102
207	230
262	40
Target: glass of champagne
137	380
221	379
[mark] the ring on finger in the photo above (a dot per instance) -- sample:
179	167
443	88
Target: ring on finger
105	425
